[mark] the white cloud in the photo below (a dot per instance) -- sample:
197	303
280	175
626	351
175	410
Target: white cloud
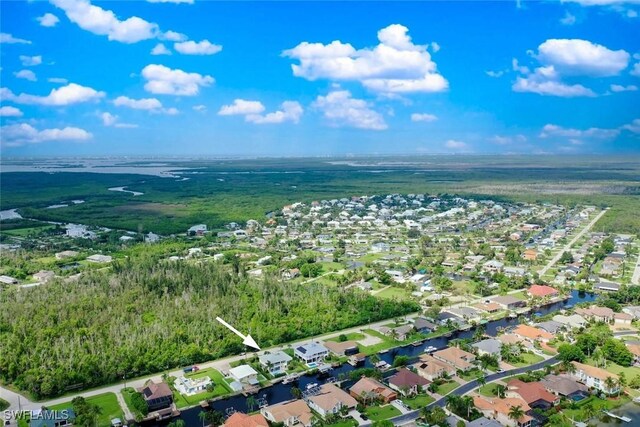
506	140
172	111
620	88
138	104
205	47
165	81
341	109
105	23
9	39
26	74
57	80
200	108
241	107
495	74
290	111
582	58
160	49
65	95
423	117
48	20
636	70
109	119
561	58
30	61
602	2
395	65
435	47
634	126
20	134
550	131
8	111
568	19
455	145
172	36
171	1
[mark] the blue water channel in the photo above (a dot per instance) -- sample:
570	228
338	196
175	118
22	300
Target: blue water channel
282	392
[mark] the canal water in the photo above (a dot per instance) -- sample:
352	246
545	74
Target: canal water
282	392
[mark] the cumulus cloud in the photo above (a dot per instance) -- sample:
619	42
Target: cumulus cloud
423	117
165	81
8	111
199	108
204	47
160	49
636	70
562	58
148	104
621	88
30	61
455	145
395	65
57	80
634	126
9	39
341	109
551	130
172	36
65	95
26	74
568	19
48	20
241	107
290	111
495	74
506	140
21	134
109	119
105	23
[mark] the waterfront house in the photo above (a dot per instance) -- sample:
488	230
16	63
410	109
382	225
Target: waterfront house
456	357
572	321
531	334
47	418
368	390
342	348
490	346
239	419
157	395
563	385
330	400
430	368
244	374
598	314
275	363
312	352
509	302
594	377
542	291
534	393
292	413
498	409
407	382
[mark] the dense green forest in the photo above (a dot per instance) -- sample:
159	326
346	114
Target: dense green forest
147	315
218	192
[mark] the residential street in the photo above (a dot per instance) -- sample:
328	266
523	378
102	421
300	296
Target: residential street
567	247
635	280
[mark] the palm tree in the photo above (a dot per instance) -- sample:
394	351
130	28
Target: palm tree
588	411
251	403
515	413
203	416
501	391
481	380
610	383
296	392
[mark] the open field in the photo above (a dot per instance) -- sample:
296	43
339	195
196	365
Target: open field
224	191
107	402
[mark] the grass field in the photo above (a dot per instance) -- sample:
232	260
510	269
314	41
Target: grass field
419	401
528	359
171	206
393	292
377	413
221	388
488	390
351	336
447	387
629	372
108	404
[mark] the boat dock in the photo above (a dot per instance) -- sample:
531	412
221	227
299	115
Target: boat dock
619	417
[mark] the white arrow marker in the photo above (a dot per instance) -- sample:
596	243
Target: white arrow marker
246	340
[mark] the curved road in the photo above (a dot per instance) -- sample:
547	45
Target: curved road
472	385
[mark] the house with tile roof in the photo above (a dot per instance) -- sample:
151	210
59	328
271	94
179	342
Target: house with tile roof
534	393
292	413
157	395
594	377
330	400
407	382
369	389
596	313
456	357
430	368
531	334
238	419
542	291
563	385
498	409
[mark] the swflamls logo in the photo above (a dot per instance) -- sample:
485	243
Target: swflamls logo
9	415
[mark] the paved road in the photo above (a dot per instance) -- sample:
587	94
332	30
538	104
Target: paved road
635	280
567	247
220	364
470	386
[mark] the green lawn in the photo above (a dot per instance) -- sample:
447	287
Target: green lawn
386	343
126	394
488	390
472	374
344	423
3	404
419	401
393	292
528	359
107	402
447	387
352	336
598	404
377	413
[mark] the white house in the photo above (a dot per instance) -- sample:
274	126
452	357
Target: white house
244	374
191	386
312	352
595	377
276	363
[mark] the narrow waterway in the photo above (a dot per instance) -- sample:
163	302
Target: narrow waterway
282	392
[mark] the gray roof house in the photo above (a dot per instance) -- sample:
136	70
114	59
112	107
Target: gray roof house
489	346
276	363
312	352
550	326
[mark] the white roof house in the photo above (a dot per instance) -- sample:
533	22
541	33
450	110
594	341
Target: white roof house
244	374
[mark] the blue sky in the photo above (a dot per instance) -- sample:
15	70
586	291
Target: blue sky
319	78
